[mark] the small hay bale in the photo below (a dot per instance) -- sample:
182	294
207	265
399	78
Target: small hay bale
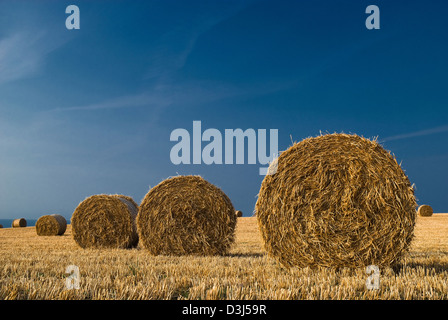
186	215
51	225
425	210
336	200
105	221
19	223
1	226
239	213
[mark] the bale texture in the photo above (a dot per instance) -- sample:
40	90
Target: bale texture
51	225
19	223
239	213
425	210
336	200
105	221
186	215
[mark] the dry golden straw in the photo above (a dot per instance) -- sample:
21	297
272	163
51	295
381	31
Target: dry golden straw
186	215
19	223
425	210
105	221
336	200
51	225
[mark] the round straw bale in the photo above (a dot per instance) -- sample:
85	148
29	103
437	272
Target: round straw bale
1	226
425	210
336	200
51	225
186	215
239	213
19	223
105	221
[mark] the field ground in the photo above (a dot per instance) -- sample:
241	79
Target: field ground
33	267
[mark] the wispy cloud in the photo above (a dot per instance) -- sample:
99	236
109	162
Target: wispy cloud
415	134
167	58
23	53
169	55
184	94
128	101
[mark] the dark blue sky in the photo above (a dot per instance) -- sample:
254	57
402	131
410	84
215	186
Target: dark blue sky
90	111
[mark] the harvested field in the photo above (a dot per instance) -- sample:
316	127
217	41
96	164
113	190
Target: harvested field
33	267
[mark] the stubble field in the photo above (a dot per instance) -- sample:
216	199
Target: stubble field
34	267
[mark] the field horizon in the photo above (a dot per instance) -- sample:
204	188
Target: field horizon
34	267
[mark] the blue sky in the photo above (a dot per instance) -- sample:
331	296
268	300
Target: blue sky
90	111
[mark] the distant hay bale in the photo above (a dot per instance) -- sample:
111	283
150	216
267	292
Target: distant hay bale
336	200
239	213
105	221
1	226
425	210
19	223
186	215
51	225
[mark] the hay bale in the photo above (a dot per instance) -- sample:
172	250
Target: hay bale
238	213
186	215
425	210
51	225
19	223
336	200
105	221
1	226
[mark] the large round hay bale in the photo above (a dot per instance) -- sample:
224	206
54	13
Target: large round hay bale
239	213
51	225
19	223
186	215
336	200
105	221
425	210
